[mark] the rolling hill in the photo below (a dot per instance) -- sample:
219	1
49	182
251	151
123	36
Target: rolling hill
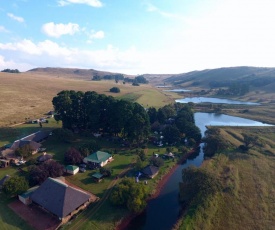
222	77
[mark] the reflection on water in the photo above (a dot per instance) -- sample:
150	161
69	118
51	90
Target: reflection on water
214	100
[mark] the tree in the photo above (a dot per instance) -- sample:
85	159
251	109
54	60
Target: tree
88	148
171	134
129	194
106	172
115	90
156	161
15	185
24	151
249	140
38	174
64	135
73	156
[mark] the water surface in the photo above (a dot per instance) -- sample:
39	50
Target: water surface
214	100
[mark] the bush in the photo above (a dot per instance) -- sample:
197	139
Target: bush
135	84
115	90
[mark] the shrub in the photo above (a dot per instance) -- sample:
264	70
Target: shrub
115	90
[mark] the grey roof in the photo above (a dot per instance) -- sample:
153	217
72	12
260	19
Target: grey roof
150	170
58	197
44	158
37	137
20	143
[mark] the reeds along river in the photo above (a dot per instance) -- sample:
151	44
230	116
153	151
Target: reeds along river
163	211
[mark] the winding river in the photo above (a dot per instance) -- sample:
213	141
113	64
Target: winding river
163	211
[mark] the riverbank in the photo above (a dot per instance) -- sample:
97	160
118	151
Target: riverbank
122	225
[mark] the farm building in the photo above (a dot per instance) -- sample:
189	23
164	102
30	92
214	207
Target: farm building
61	199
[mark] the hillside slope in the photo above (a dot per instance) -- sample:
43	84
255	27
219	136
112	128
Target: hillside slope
254	76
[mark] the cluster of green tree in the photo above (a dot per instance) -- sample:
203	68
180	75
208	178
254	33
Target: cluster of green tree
10	71
235	89
15	185
115	90
130	194
101	113
197	190
176	123
214	143
137	80
115	77
39	173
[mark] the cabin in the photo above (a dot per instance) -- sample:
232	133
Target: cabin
98	158
97	177
71	169
150	171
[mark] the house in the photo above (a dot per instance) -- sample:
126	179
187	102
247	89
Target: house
44	157
37	137
71	169
98	159
97	177
61	199
3	180
150	171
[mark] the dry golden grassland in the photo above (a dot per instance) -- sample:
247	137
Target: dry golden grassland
247	200
27	95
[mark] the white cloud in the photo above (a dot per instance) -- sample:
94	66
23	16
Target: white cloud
97	35
16	18
56	30
4	64
152	8
53	54
3	29
93	3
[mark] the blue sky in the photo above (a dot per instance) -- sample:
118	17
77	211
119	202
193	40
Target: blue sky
137	37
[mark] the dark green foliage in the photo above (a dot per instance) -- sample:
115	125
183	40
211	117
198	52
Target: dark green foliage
38	174
130	194
141	79
135	84
73	156
106	172
98	112
15	185
156	161
142	155
64	135
10	71
171	134
24	151
249	140
115	90
89	148
214	143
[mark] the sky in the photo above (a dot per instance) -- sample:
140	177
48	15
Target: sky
137	36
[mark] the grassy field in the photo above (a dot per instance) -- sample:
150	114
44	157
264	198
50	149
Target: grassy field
248	197
28	95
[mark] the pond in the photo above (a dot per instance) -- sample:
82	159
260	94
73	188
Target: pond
178	90
214	100
163	211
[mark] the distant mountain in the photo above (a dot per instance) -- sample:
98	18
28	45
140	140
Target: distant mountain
253	76
85	74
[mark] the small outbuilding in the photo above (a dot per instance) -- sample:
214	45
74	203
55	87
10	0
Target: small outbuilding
97	177
44	157
4	163
25	198
150	171
71	169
